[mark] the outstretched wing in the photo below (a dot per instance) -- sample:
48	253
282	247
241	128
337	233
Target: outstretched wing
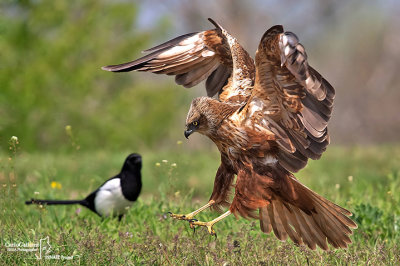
193	58
291	99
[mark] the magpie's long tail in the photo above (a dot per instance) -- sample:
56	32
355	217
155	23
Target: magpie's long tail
54	202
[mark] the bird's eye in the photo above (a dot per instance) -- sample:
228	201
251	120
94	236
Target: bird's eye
195	123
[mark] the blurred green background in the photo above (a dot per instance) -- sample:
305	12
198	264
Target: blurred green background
52	51
51	54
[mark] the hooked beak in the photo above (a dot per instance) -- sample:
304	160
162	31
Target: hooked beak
188	132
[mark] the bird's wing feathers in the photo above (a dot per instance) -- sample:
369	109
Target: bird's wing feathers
292	94
193	58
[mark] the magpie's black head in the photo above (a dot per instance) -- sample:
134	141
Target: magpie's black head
133	162
131	177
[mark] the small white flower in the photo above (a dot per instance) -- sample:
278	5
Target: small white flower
173	165
14	139
165	161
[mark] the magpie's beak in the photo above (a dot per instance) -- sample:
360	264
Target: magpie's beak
188	132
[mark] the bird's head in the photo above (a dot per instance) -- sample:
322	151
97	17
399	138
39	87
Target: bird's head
133	162
202	116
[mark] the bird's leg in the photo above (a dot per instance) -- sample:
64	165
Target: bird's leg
209	224
190	216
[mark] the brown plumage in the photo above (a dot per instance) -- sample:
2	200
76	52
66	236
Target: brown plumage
268	119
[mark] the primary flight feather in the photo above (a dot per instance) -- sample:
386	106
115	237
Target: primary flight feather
268	117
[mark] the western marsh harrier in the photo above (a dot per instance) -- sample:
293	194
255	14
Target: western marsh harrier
267	119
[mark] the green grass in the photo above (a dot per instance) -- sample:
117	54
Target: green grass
147	235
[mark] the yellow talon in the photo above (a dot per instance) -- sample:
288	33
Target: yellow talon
190	216
180	216
209	226
194	222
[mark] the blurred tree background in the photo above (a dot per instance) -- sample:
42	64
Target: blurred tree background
51	53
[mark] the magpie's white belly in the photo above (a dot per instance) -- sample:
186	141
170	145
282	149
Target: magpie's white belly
109	199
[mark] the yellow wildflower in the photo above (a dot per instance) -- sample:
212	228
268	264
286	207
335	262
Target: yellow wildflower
55	184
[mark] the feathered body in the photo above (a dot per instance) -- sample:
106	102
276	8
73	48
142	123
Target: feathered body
269	117
284	205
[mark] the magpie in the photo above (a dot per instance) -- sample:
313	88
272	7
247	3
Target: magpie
115	196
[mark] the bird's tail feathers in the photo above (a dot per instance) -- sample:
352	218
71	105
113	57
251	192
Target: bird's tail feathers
54	202
306	217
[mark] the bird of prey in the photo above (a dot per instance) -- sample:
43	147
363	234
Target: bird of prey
115	196
267	117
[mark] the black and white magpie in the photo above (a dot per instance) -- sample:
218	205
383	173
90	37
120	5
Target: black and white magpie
115	196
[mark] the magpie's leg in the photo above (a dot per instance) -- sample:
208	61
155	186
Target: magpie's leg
120	217
209	224
189	216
